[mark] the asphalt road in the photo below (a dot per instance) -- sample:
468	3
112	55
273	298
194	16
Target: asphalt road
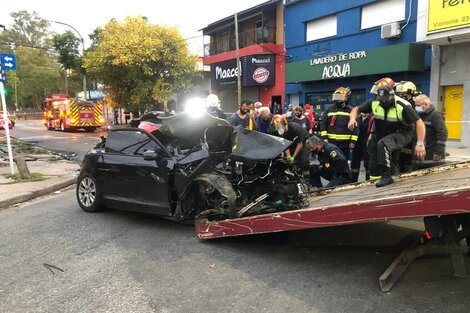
72	143
56	258
122	262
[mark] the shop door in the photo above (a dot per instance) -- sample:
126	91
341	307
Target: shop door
453	101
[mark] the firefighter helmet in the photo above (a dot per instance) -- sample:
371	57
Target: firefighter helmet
213	101
406	87
341	94
385	81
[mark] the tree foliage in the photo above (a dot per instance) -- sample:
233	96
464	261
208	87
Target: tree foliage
28	30
140	63
67	46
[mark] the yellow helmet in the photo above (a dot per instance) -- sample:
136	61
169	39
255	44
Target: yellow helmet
385	81
406	87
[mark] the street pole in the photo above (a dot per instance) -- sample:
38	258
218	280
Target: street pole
237	47
83	53
5	126
16	96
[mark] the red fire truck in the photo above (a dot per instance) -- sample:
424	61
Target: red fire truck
65	113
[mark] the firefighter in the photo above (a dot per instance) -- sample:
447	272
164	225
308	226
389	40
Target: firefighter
374	169
360	152
333	164
395	121
297	153
334	123
407	90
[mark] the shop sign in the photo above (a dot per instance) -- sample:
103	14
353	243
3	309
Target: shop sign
337	70
448	14
256	70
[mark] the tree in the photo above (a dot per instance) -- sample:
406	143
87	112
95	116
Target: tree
37	74
67	47
140	63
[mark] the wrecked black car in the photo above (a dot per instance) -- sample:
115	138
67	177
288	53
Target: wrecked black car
190	168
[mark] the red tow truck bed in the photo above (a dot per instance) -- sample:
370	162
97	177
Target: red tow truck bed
443	190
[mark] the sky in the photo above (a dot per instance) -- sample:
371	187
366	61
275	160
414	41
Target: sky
86	15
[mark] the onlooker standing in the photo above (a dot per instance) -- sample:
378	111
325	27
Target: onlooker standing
258	106
301	119
360	153
310	114
436	130
264	120
243	117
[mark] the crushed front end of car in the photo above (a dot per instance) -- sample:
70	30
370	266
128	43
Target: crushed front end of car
226	172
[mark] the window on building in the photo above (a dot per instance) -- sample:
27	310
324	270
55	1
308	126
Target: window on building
382	12
261	31
321	28
225	41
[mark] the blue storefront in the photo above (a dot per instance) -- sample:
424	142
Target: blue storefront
352	44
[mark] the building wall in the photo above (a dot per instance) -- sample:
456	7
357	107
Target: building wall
349	38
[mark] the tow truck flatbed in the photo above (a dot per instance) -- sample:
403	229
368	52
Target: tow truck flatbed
439	191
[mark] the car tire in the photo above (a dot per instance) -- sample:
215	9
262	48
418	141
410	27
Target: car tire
88	194
62	126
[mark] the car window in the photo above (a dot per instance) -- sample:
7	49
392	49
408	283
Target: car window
130	143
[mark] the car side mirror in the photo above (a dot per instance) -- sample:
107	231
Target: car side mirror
150	155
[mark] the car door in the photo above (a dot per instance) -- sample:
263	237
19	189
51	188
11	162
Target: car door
128	180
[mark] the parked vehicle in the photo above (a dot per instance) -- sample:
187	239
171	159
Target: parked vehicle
190	168
2	121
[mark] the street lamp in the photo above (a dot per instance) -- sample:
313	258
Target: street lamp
83	52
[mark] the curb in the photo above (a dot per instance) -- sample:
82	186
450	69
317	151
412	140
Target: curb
38	193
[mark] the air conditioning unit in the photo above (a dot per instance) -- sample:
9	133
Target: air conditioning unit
391	30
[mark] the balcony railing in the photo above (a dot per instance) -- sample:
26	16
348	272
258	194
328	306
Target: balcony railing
224	43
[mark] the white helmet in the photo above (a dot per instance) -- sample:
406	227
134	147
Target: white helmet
213	101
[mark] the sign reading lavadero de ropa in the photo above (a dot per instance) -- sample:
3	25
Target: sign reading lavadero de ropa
390	59
448	14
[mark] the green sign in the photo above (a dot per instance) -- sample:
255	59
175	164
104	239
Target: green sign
391	59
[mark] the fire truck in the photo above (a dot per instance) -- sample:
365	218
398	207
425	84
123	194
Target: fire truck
64	113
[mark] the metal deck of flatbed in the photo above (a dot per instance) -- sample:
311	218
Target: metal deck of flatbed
443	190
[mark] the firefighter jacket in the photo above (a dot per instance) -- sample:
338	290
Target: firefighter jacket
436	132
334	126
332	159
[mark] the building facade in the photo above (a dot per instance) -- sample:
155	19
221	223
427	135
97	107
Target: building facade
261	52
352	44
446	25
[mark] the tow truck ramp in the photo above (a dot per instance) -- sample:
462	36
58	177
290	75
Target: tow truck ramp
440	195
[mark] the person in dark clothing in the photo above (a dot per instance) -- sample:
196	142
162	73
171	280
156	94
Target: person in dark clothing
333	164
436	130
360	152
334	123
264	120
395	121
301	119
297	153
213	107
406	90
244	117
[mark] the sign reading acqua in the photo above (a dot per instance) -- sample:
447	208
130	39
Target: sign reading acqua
337	65
448	14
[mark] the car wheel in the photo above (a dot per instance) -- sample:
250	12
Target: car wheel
62	126
88	195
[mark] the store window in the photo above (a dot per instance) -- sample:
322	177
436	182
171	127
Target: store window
382	12
321	28
321	101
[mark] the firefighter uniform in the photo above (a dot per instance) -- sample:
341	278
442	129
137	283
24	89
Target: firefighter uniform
360	152
394	122
334	124
333	167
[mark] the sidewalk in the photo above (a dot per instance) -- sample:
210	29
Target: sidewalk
57	174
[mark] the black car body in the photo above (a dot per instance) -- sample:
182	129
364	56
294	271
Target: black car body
190	168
